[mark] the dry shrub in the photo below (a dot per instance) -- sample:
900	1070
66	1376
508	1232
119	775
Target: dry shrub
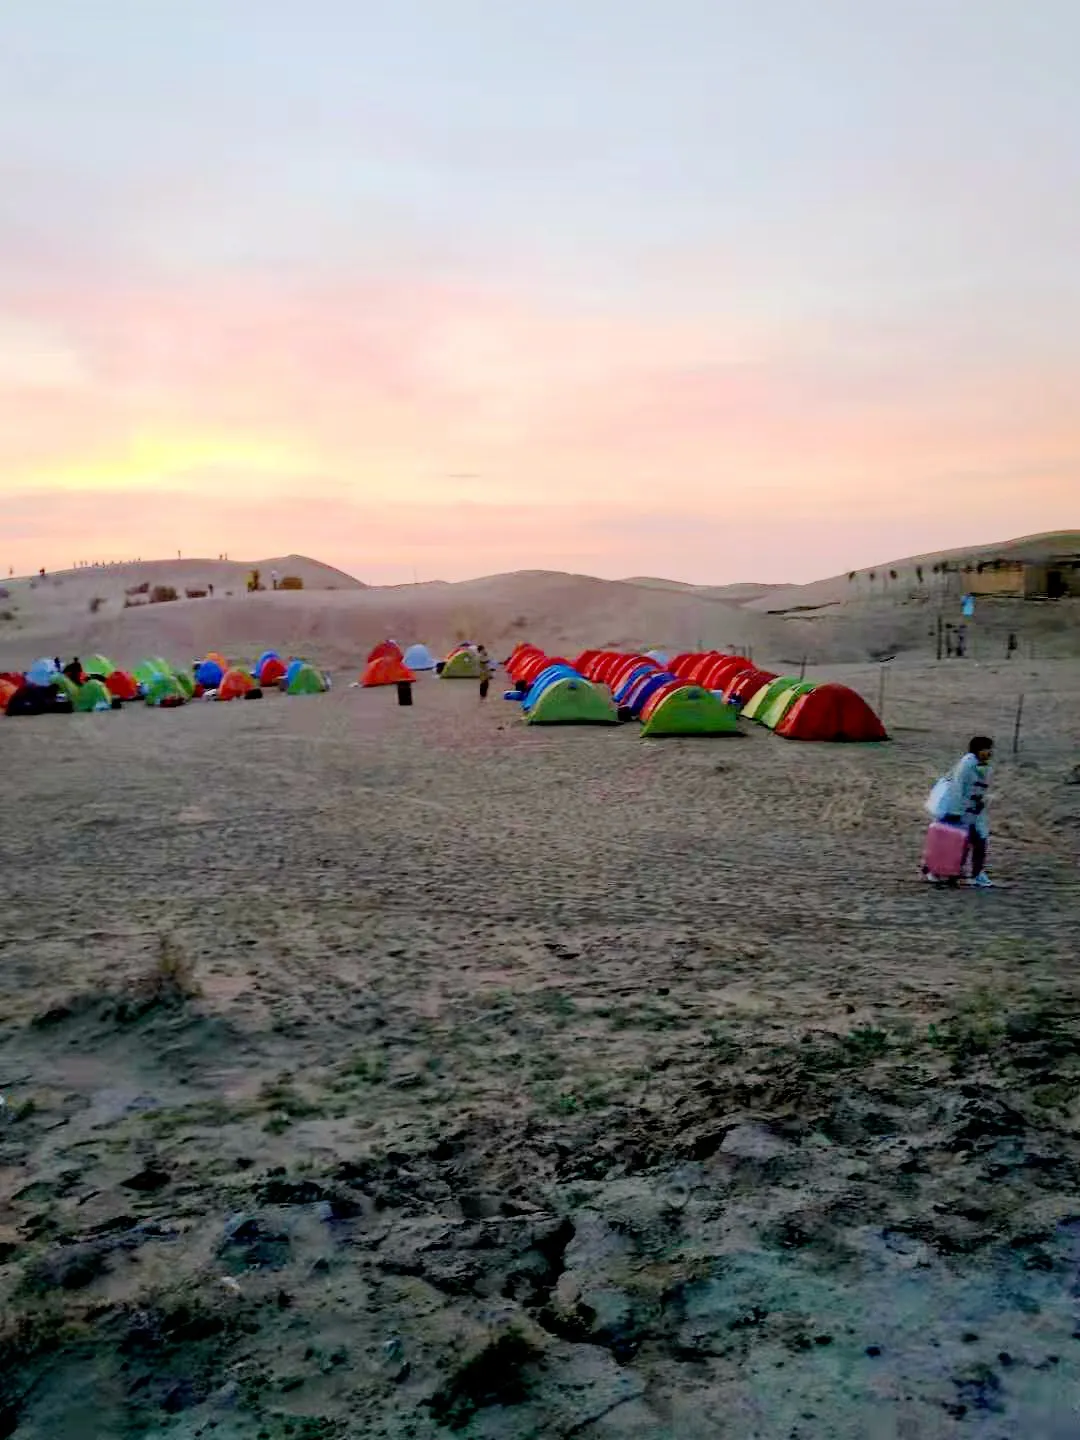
95	604
170	980
195	594
138	589
162	594
291	582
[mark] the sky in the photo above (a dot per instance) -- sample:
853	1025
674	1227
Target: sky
696	288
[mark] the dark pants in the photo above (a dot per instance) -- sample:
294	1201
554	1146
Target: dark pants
484	687
977	851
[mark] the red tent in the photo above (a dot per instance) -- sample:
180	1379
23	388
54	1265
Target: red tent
273	671
660	694
385	647
386	670
234	685
122	686
744	684
831	712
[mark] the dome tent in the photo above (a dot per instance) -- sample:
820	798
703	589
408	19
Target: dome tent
164	690
235	684
763	697
208	674
93	696
305	680
570	700
780	704
385	649
41	672
122	685
462	665
386	670
691	710
271	671
831	712
543	680
419	657
98	665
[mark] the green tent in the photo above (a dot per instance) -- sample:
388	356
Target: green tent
93	696
573	701
306	681
780	704
761	699
98	665
691	711
163	687
66	687
185	682
462	665
147	670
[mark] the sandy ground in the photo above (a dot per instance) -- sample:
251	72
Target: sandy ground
375	1072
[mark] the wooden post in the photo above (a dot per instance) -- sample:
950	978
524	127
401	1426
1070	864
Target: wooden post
1016	727
940	635
802	669
881	692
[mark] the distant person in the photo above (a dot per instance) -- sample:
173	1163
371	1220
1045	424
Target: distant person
969	783
273	579
1011	646
74	671
210	591
961	641
56	662
487	669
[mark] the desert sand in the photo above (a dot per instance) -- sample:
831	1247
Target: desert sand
373	1072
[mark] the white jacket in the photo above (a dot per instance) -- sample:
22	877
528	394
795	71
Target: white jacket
968	786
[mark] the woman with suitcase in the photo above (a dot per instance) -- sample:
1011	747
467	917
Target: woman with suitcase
961	833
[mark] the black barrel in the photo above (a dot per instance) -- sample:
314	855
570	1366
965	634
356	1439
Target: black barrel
404	692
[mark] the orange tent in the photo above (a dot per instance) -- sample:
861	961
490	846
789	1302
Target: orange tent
218	659
831	712
7	689
121	685
273	671
385	648
387	670
234	685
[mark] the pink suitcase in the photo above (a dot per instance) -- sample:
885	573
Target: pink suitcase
945	850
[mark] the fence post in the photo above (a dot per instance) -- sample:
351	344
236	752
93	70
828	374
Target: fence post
802	669
1016	726
881	693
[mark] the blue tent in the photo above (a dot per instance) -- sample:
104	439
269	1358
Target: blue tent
631	680
419	657
543	680
646	685
41	672
209	674
266	655
294	666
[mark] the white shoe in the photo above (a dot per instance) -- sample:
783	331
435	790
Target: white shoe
982	881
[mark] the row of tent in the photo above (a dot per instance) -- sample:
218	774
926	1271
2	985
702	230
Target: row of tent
694	693
388	664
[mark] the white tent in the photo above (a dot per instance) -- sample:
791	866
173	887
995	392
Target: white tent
419	657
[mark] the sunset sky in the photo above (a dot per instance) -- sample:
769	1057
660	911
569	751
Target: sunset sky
710	289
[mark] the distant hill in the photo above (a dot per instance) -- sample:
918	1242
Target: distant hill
738	594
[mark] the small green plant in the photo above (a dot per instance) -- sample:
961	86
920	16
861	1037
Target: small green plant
866	1042
368	1069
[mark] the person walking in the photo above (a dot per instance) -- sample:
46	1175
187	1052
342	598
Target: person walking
486	671
969	782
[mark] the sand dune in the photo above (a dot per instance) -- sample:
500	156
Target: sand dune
561	612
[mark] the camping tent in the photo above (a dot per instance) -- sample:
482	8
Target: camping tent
643	690
742	686
831	712
462	665
164	690
305	681
780	704
660	693
122	685
66	688
691	710
98	665
271	670
386	670
543	680
146	671
208	673
293	669
185	681
263	658
41	672
629	680
660	656
763	697
93	696
7	690
235	684
419	657
570	700
385	648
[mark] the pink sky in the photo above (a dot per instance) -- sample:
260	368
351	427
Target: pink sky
445	319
